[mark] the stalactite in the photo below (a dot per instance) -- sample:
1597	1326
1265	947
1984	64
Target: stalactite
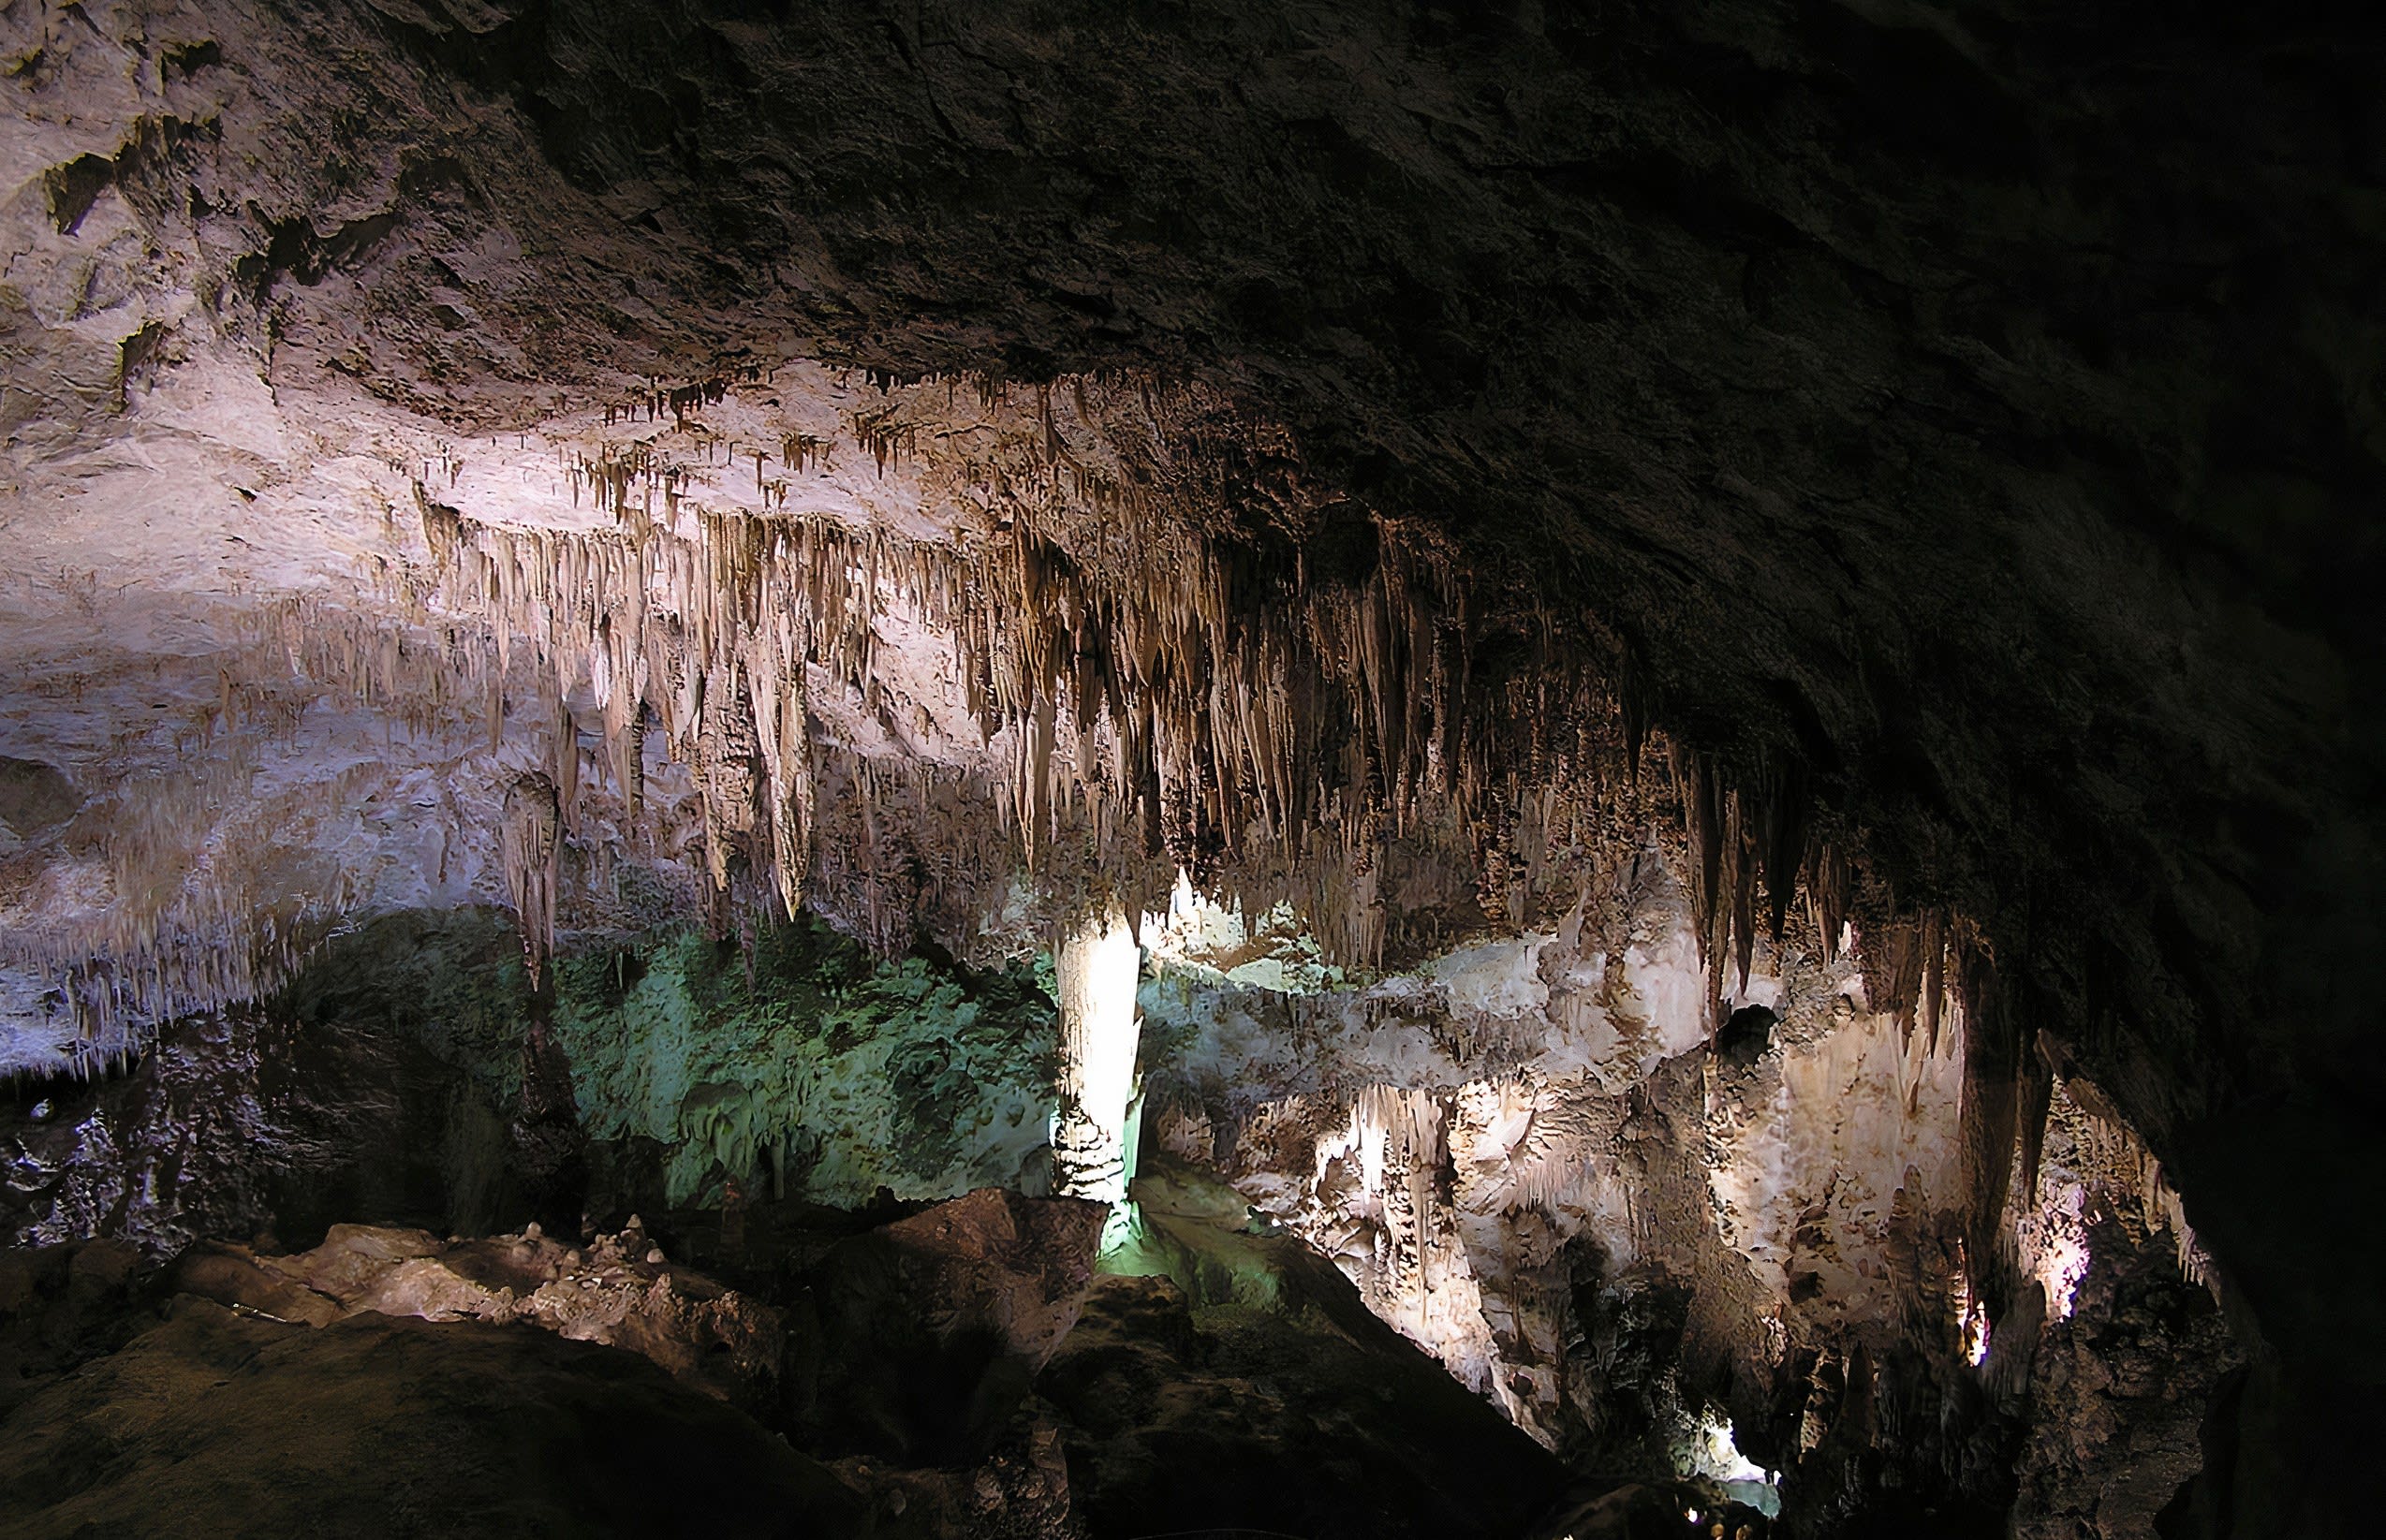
1159	675
2079	1162
530	841
1988	1119
1743	833
1177	680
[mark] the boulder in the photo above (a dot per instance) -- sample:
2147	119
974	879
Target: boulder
919	1341
218	1423
717	1340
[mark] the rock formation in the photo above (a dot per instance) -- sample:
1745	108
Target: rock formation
1688	685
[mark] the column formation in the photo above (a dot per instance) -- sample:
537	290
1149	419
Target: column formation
1097	964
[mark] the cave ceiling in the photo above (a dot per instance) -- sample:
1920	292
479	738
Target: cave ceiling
1938	446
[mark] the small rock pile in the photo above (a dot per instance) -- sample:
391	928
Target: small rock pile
619	1290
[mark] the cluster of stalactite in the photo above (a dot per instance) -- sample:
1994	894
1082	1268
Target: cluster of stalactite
1752	850
199	907
1166	650
1821	1200
134	966
1160	671
1758	829
1155	678
1754	836
2044	1242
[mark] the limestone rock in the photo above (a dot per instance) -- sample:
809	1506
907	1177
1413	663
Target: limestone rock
215	1423
715	1339
920	1340
1318	1422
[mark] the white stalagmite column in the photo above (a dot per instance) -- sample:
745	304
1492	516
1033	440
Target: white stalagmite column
1097	964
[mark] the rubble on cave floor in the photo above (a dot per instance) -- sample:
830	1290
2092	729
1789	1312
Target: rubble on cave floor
959	1370
1744	1270
617	1289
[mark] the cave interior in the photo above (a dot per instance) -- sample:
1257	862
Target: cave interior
1087	770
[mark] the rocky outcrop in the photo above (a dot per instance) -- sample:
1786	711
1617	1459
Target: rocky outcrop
221	1423
2121	1395
233	1125
918	1342
618	1290
1753	1259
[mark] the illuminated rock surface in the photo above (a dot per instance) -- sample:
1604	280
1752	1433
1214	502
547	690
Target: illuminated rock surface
615	1291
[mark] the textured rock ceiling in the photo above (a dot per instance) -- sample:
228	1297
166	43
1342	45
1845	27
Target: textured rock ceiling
1958	429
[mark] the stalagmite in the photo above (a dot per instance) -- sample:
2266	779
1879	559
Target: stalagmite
1097	964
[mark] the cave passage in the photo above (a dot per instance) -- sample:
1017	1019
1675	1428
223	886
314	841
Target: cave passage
1089	771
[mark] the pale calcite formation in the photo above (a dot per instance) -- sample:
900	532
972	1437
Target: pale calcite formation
1095	964
2091	1165
618	1290
1475	1142
779	632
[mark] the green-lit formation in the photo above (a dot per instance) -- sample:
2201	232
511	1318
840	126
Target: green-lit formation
802	1060
837	1073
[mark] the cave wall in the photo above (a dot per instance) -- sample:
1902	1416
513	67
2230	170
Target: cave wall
1655	1237
1717	1241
